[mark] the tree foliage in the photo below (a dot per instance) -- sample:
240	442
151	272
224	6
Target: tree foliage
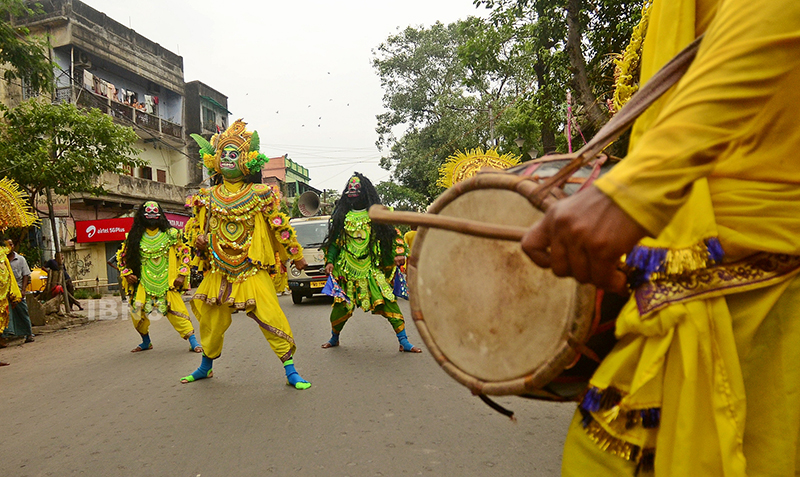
486	82
59	147
25	56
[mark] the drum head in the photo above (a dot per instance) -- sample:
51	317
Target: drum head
484	307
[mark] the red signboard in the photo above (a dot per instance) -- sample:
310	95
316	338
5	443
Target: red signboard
114	230
176	220
102	230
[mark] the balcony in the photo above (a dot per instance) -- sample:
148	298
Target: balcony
172	133
127	191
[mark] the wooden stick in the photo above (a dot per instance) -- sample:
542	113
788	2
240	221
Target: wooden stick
382	214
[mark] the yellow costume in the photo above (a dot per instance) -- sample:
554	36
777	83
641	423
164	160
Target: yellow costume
247	236
155	289
706	382
9	290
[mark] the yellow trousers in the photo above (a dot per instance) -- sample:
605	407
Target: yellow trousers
177	314
216	299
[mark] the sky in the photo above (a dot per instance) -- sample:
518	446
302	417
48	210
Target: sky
297	71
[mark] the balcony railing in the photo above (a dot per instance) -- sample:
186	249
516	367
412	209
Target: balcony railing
88	99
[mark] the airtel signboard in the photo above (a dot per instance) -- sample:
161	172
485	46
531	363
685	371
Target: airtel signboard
114	230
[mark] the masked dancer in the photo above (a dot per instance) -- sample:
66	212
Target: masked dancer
154	266
236	230
362	256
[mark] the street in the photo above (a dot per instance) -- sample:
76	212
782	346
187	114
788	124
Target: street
77	402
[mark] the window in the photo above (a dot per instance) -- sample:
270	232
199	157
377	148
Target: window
27	91
161	176
209	119
146	173
128	170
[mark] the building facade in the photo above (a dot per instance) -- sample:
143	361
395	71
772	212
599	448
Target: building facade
102	64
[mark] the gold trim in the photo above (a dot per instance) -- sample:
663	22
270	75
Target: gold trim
757	271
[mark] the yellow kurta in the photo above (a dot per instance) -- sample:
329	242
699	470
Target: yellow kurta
716	157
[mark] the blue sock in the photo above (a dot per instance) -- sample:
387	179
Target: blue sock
205	367
193	341
334	341
403	339
145	341
293	377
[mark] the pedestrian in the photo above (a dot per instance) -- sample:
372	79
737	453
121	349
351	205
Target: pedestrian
362	256
706	209
19	323
237	228
154	264
57	263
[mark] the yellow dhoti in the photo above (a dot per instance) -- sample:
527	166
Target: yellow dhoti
217	298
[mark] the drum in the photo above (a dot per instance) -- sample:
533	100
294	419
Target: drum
492	319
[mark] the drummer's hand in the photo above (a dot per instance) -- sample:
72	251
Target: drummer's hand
179	281
300	264
132	279
328	268
201	242
399	260
584	236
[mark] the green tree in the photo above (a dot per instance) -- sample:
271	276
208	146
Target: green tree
25	56
61	148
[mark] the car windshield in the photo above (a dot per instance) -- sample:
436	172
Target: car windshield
311	234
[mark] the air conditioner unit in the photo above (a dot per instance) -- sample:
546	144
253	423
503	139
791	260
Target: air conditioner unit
83	60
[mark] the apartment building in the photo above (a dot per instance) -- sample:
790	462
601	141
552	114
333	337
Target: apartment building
102	64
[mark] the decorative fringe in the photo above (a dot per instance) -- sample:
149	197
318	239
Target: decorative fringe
643	458
462	165
597	400
648	264
14	208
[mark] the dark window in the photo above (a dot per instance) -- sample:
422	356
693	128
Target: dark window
147	173
161	176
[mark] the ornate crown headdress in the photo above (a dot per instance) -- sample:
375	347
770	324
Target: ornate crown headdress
250	160
462	165
14	208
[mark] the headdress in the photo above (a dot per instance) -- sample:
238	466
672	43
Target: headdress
462	165
250	160
14	208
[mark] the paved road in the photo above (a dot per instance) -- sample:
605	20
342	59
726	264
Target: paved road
77	402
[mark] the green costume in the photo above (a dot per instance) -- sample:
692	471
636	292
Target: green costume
363	277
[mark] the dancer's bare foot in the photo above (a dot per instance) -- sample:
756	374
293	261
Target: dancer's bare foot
328	344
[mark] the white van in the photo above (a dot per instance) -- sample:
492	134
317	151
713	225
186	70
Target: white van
311	231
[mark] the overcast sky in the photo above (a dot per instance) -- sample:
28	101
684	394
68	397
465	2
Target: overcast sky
299	72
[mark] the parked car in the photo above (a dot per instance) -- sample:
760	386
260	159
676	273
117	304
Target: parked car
311	231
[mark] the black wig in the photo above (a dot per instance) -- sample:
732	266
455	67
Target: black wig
133	257
383	233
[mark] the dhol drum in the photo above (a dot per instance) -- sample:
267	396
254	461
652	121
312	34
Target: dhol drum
492	319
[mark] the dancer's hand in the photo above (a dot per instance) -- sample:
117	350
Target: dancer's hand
132	279
201	242
584	236
399	260
300	264
328	268
178	283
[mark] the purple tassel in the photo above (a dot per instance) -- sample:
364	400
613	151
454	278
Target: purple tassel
715	251
651	418
647	260
591	401
586	418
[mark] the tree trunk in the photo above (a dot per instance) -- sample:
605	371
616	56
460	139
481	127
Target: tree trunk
595	115
57	247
